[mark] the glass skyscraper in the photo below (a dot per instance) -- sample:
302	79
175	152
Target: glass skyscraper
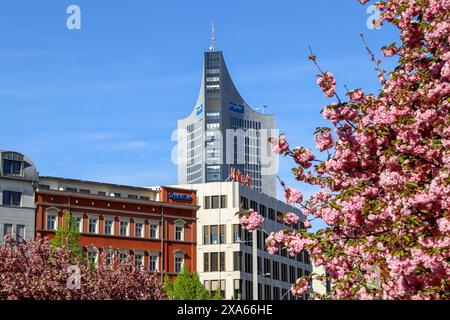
224	132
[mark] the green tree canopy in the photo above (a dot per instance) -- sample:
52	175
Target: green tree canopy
68	236
186	286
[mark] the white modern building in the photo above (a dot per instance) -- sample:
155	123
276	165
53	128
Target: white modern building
18	182
224	249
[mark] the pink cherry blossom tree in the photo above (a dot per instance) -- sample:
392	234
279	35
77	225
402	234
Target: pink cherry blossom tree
35	270
383	168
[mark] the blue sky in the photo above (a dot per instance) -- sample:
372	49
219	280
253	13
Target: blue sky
101	103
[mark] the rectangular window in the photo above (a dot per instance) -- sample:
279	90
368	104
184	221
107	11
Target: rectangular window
122	256
267	292
78	223
109	227
237	260
51	222
101	193
153	263
237	289
284	272
276	270
178	264
144	198
73	190
138	229
44	187
215	202
153	231
206	235
214	235
237	233
123	228
12	167
116	195
276	293
292	274
7	229
222	230
207	203
223	201
85	191
179	233
93	225
92	256
214	261
132	196
222	261
20	233
244	203
138	260
12	198
206	264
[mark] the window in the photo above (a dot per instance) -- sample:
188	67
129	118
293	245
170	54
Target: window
51	221
108	256
92	256
276	293
248	263
206	235
138	229
263	210
253	205
214	202
109	223
154	230
78	221
223	201
267	292
276	270
85	191
101	193
244	203
153	262
116	195
267	266
124	228
179	259
93	225
73	190
237	233
12	198
179	231
44	187
138	260
207	204
214	261
284	272
122	256
214	235
222	229
20	233
7	229
222	261
271	214
292	274
132	196
237	260
206	262
12	167
237	294
144	198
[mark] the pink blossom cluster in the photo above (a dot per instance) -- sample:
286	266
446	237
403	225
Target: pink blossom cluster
300	287
280	145
327	83
324	140
291	218
252	220
303	157
293	196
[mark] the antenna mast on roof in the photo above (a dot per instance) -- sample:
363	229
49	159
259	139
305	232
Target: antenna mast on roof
213	37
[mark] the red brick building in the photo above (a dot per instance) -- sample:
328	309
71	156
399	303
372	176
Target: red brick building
156	227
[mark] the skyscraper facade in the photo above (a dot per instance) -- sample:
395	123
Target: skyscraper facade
224	132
